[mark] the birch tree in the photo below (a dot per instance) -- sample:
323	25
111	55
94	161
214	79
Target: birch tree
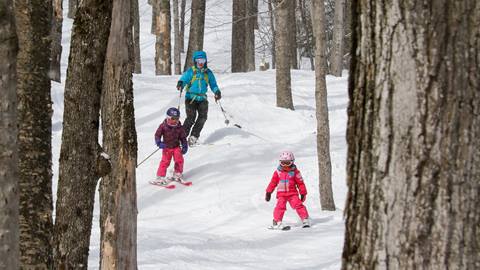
283	54
336	57
323	130
197	28
33	22
9	198
163	48
413	164
118	198
81	162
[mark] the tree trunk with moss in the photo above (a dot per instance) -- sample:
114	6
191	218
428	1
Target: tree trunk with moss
413	164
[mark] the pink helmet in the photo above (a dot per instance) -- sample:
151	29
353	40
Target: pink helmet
287	156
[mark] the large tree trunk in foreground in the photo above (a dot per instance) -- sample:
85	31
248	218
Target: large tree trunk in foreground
413	164
197	28
282	52
80	157
9	199
118	205
33	20
323	129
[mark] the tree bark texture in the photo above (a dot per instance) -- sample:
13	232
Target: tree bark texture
250	36
283	54
9	176
292	33
56	44
239	35
336	57
33	19
176	35
323	129
163	47
197	28
413	164
72	8
307	23
154	17
80	152
118	199
136	37
183	4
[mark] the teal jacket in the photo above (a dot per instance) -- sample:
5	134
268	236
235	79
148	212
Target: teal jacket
196	80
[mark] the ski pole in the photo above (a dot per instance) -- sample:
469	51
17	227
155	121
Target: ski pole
225	115
179	99
147	157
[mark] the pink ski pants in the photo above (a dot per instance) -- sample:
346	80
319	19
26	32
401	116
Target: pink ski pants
295	203
167	155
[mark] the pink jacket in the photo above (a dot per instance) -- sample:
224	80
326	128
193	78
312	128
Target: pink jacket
289	182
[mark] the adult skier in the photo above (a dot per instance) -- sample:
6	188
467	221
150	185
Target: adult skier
196	81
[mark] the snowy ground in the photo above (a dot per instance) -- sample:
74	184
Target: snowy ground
221	221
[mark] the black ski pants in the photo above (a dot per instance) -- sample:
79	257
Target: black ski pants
191	109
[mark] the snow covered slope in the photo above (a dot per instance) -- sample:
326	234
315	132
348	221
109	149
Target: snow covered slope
220	222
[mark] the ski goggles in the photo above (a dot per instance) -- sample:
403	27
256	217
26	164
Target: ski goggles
175	118
201	60
286	162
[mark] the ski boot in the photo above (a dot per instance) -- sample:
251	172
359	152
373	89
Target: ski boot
277	225
192	141
306	223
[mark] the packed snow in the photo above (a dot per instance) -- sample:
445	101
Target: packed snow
220	222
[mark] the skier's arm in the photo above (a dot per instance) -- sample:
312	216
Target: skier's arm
273	182
185	78
212	82
158	135
300	184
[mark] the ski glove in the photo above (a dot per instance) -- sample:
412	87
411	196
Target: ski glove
303	197
268	195
218	95
184	149
160	144
179	85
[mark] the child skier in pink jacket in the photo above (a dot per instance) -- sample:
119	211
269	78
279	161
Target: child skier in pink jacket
289	182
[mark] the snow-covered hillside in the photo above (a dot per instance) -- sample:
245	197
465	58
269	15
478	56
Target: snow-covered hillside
220	222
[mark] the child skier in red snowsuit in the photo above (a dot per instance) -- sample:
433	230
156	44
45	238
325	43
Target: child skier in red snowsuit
174	144
289	183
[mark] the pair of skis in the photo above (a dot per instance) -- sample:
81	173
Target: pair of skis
171	186
286	228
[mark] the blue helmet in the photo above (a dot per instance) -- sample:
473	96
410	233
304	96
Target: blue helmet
173	112
199	54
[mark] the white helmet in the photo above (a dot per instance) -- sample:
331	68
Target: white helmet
287	156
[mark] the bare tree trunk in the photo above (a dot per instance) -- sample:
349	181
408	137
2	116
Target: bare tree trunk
9	176
176	35
336	57
118	198
33	21
153	30
183	4
347	36
413	164
136	37
292	33
272	26
239	36
309	32
255	14
250	36
163	47
80	155
197	28
283	53
323	129
56	45
72	8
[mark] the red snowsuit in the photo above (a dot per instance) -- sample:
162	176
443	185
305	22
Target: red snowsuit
288	179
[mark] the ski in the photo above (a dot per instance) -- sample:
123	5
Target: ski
170	186
284	228
185	183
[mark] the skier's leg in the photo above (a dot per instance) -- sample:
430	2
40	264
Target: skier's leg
165	162
280	208
202	118
178	159
191	112
297	204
